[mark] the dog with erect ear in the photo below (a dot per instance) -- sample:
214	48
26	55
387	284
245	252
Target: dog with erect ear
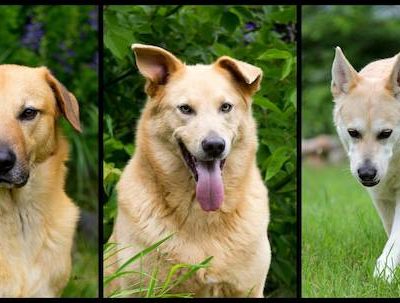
367	119
194	175
37	218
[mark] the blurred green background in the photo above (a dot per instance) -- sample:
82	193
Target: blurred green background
365	34
64	38
261	35
342	233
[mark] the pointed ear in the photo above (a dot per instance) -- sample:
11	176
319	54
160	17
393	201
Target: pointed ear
393	83
155	64
247	75
344	76
66	101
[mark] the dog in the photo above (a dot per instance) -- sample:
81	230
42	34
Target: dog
367	119
194	175
37	218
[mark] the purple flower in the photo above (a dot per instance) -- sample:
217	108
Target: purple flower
33	33
250	26
93	16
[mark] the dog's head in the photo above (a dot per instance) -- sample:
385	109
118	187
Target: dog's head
31	101
200	109
367	115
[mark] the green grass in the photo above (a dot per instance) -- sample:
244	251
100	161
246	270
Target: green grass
84	281
342	237
178	274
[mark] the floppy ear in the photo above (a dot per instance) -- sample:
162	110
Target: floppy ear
66	101
393	83
344	76
249	76
155	64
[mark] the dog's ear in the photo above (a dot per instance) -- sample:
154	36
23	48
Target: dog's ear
66	101
393	83
247	75
155	64
344	76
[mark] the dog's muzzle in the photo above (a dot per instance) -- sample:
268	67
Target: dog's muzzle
10	174
367	174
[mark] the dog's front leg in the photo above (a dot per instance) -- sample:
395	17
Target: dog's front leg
390	257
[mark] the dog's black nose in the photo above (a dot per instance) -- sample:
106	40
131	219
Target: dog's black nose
213	146
367	172
7	160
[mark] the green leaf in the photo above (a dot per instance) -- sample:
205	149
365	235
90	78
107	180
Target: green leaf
109	169
229	21
221	50
278	158
266	103
287	68
272	54
116	38
284	15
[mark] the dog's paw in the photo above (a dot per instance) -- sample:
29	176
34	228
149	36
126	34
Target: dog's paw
384	269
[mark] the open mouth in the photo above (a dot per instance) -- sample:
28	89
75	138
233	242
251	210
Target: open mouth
208	176
369	183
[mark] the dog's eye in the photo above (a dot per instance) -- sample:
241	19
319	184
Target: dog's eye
28	114
384	134
226	107
185	109
354	133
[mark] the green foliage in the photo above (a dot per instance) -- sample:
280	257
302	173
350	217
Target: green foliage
261	35
64	38
365	34
342	237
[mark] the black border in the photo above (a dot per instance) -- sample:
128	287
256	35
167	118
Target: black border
298	151
101	148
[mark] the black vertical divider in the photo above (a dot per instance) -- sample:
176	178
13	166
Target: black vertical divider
298	137
101	146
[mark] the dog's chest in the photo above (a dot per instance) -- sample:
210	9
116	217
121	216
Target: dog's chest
22	235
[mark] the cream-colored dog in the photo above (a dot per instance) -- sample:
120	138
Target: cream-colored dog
194	174
37	219
367	117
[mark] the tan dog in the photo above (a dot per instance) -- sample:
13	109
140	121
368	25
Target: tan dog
37	219
367	118
194	174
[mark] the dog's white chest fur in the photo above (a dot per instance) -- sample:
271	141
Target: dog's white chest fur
33	260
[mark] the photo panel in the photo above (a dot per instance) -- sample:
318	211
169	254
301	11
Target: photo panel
350	125
199	120
49	151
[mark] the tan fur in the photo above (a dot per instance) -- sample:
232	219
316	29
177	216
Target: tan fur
156	192
38	220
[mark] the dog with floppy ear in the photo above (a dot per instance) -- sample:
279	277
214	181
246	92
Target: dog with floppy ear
194	175
37	218
367	118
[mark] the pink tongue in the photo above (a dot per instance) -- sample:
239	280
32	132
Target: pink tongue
209	188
